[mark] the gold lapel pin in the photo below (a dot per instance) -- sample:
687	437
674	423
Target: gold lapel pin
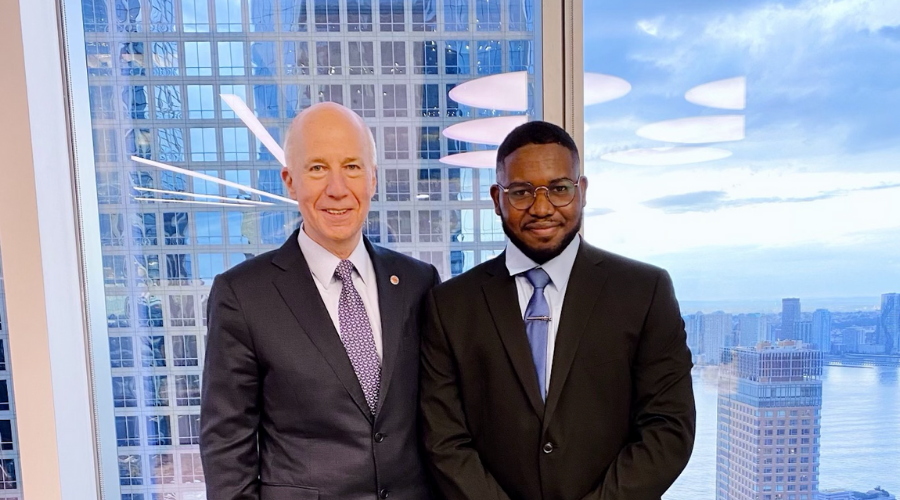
395	280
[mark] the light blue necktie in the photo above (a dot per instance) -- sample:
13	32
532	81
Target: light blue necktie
537	324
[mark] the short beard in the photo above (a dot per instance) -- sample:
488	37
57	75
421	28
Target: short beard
541	256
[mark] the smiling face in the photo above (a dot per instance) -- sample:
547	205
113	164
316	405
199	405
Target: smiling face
330	171
541	231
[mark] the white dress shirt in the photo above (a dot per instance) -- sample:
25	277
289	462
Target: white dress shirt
558	268
323	263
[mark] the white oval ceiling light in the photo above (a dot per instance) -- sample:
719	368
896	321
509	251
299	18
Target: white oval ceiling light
602	88
730	93
484	131
696	130
473	159
678	155
503	92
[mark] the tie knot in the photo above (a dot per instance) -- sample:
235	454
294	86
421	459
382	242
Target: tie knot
538	278
344	271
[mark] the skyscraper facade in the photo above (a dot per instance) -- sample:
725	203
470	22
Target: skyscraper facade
10	471
889	324
821	330
752	328
155	71
790	314
716	329
769	410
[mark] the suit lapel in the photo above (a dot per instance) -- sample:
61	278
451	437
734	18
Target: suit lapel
298	289
391	299
584	288
502	298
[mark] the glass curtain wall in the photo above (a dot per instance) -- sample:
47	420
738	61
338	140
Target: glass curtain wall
10	471
752	149
156	72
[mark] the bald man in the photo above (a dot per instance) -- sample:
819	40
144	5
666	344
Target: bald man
310	383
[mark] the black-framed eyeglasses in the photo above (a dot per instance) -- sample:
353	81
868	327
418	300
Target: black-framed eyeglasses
560	193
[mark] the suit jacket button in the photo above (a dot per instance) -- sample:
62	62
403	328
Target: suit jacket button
383	493
548	448
379	437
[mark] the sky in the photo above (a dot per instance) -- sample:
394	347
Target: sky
808	202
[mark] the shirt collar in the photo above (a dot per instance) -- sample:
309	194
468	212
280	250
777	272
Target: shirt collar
559	268
322	262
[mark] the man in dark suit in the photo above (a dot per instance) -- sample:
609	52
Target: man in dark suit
556	371
310	385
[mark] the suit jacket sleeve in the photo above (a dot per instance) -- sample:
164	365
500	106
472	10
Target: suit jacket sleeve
230	404
454	463
664	416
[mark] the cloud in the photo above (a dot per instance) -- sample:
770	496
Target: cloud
597	211
708	201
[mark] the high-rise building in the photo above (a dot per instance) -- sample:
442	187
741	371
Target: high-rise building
790	314
693	326
716	328
889	324
821	330
769	410
156	69
803	331
752	329
10	472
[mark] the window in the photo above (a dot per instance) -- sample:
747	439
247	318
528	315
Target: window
328	58
490	59
328	15
209	266
184	350
187	390
359	15
293	16
96	17
362	57
188	429
162	16
115	271
137	142
130	471
394	101
178	269
238	90
209	225
128	16
241	177
362	100
454	146
462	226
181	311
109	188
203	144
170	144
270	181
191	468
393	58
399	226
460	184
428	100
425	58
6	435
332	93
521	15
296	58
391	15
486	179
134	103
396	143
156	391
238	223
434	258
112	229
424	15
262	15
197	59
397	185
429	143
456	57
521	55
153	351
103	102
200	102
117	314
271	226
121	352
456	15
4	395
265	99
235	144
296	99
124	392
461	261
128	432
165	59
168	102
231	58
491	226
195	16
487	15
372	227
262	55
429	185
105	145
146	270
143	229
162	469
228	16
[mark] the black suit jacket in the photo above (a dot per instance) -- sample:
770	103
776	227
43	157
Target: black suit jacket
283	416
619	419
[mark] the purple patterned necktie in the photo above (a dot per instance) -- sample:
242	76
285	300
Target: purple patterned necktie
356	334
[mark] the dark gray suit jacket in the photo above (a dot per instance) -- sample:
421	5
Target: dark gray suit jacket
282	415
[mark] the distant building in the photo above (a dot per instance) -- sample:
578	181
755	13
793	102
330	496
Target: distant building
803	331
790	314
716	328
752	329
843	494
821	330
769	410
889	323
693	326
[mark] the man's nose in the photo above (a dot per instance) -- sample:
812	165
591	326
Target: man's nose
541	206
337	185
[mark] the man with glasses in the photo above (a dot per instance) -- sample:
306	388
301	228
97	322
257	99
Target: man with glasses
556	370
